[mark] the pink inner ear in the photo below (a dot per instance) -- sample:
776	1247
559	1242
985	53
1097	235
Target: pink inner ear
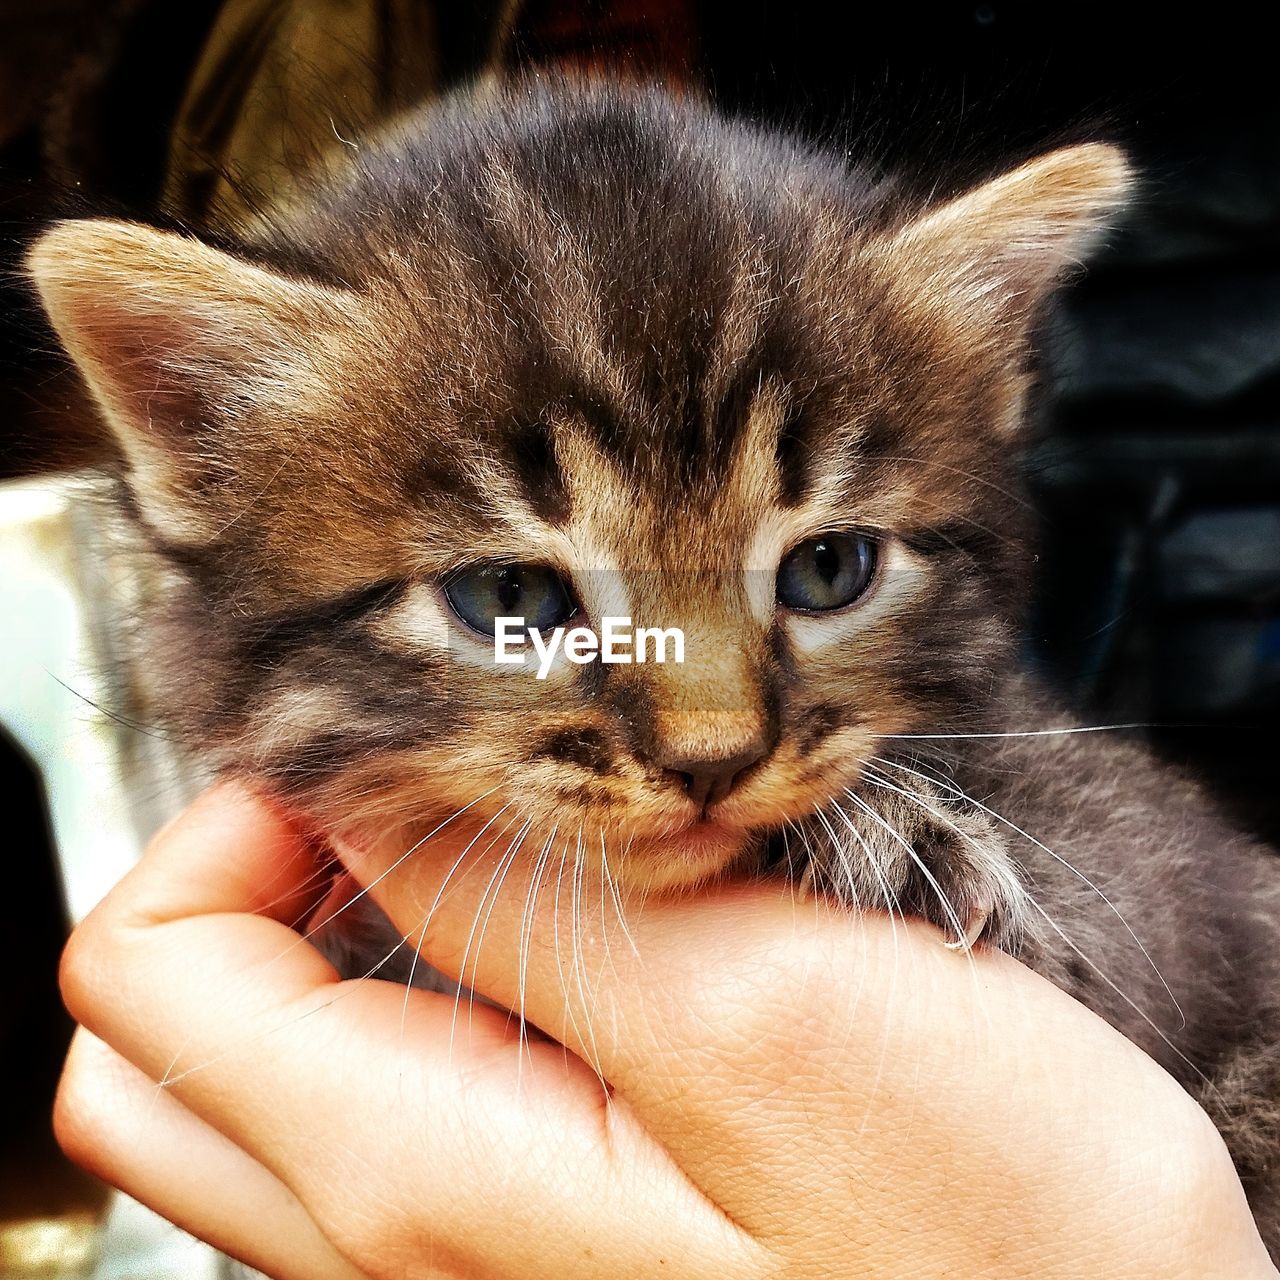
133	364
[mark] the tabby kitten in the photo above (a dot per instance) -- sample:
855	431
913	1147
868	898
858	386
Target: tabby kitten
565	353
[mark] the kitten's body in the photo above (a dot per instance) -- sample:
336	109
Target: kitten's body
614	335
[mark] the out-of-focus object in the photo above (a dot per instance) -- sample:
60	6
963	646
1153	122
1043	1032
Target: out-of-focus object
63	1248
109	782
63	684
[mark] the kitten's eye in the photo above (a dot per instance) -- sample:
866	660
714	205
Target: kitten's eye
826	572
530	591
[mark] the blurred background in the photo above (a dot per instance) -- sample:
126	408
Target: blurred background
1155	462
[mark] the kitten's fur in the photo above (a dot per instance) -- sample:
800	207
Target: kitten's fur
615	334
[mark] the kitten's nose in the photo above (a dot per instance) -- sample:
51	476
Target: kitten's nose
708	778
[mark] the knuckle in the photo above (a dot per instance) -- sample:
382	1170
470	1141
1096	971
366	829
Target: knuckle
79	969
96	965
374	1237
78	1118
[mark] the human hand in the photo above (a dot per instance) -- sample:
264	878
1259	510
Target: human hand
793	1091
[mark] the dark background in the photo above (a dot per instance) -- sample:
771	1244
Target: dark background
1156	456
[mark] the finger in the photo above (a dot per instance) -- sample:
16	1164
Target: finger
257	860
112	1120
379	1108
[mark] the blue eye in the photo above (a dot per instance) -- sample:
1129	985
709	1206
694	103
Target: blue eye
827	572
530	591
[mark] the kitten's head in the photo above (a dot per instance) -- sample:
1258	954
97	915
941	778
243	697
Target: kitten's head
572	355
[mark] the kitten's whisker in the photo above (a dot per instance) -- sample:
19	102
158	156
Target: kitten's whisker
494	878
576	904
944	902
786	849
889	896
960	794
604	906
617	899
792	887
138	726
1022	733
1205	1079
965	938
435	902
959	471
347	987
608	897
807	880
891	900
314	878
559	950
503	871
408	853
869	855
838	853
526	942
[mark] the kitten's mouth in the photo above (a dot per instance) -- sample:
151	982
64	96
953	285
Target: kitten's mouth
702	833
683	858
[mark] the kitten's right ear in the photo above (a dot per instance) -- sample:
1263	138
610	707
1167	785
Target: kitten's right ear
179	343
994	252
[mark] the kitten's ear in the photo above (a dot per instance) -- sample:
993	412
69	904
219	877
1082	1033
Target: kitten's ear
178	342
998	249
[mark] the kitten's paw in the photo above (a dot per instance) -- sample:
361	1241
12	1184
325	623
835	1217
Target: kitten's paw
963	860
925	855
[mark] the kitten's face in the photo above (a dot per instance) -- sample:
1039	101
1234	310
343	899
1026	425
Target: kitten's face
609	349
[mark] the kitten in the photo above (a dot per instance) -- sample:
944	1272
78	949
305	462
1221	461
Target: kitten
564	352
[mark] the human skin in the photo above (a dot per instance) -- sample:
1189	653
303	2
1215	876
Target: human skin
792	1090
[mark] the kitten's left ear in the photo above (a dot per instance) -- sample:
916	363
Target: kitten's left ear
997	250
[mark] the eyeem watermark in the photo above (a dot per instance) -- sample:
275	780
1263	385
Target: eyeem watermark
617	642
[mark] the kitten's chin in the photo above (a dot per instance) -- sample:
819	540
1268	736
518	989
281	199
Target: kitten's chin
681	859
